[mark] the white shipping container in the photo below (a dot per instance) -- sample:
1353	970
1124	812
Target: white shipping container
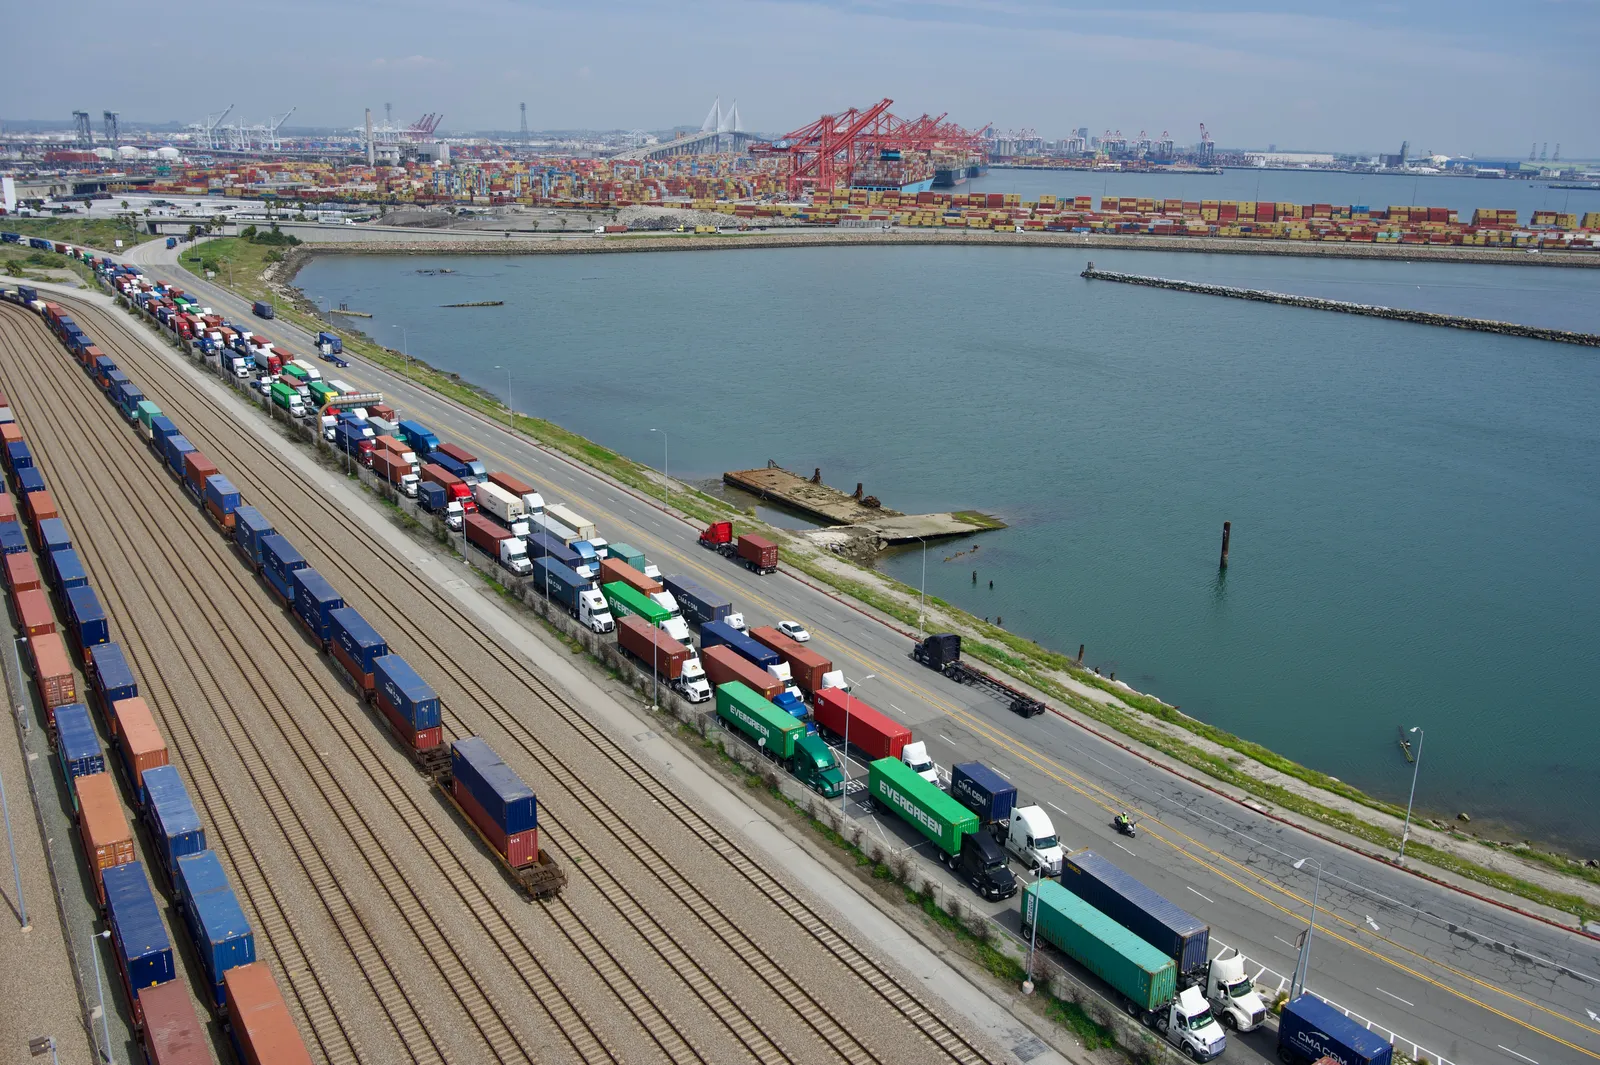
498	503
582	526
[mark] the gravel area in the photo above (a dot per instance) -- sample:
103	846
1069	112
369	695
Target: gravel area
692	941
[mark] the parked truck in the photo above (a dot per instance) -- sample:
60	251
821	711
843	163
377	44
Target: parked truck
699	604
1144	980
625	601
419	436
811	671
871	732
971	853
781	737
1233	995
500	505
329	343
674	663
613	569
942	653
573	593
1164	925
532	501
454	487
763	657
511	552
396	470
582	527
543	545
390	442
723	665
1309	1029
1025	833
475	471
288	399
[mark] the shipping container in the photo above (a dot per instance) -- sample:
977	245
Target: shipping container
21	572
77	745
52	673
408	702
263	1031
805	665
279	558
53	534
543	545
496	799
107	840
357	646
175	826
86	620
871	731
419	436
1311	1030
197	470
651	647
139	743
475	471
8	508
315	600
13	540
249	529
983	791
66	571
138	937
625	601
721	634
454	487
222	936
172	1033
34	616
532	501
222	502
1176	933
615	570
18	456
161	430
173	449
759	554
1137	971
582	527
109	677
723	665
37	503
698	604
750	713
894	786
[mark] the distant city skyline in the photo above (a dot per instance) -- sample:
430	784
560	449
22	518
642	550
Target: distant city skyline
1476	77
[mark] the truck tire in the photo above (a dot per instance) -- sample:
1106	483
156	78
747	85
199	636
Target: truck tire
1229	1021
1287	1056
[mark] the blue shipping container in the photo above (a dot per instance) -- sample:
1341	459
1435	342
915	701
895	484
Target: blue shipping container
86	617
983	791
77	746
249	527
721	634
173	449
1164	925
699	604
221	934
221	494
161	427
12	539
66	572
408	693
453	465
279	558
314	600
419	436
197	874
1309	1029
502	794
110	676
431	497
143	950
114	378
18	455
175	825
30	479
53	534
543	545
356	638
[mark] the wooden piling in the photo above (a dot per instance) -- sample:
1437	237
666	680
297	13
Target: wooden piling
1227	529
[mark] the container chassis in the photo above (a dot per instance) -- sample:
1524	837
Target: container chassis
942	653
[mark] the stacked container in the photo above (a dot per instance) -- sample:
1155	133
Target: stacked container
172	1031
314	600
197	470
222	936
249	529
52	673
66	571
13	541
357	646
499	804
34	616
77	746
262	1029
138	938
222	501
139	743
107	840
173	449
86	619
279	559
110	679
175	826
411	706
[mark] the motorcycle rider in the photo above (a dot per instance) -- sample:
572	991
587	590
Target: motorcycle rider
1124	822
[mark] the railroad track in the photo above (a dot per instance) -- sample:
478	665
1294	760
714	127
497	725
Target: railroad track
271	480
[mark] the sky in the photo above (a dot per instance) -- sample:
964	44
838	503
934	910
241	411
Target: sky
1480	77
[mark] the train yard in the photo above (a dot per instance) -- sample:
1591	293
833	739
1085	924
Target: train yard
395	937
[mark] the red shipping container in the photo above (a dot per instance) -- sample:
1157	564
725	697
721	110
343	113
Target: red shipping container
8	509
518	848
870	730
417	739
107	840
613	570
723	664
759	552
197	470
34	616
22	572
40	505
52	671
261	1022
10	433
173	1034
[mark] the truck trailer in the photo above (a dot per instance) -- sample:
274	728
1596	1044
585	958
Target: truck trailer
1176	933
671	661
496	541
573	593
699	605
972	854
1309	1029
781	737
810	671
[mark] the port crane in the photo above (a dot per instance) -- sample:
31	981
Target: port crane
208	128
825	153
1208	151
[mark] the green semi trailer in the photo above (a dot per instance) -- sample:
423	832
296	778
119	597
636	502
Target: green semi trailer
974	856
625	600
781	735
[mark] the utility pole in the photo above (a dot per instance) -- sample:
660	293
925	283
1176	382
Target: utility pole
1302	965
1416	767
844	793
16	870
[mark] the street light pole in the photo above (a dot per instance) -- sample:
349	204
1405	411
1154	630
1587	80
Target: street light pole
94	951
666	478
1302	965
1033	942
16	870
844	793
1416	766
922	615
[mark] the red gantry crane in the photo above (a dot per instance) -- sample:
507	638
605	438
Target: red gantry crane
825	153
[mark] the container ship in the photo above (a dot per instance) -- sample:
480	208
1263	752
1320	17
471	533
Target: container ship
948	176
891	172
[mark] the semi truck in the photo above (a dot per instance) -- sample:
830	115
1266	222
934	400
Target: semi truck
454	487
1309	1029
756	553
625	601
674	663
724	665
330	343
287	399
532	501
1159	922
396	470
1233	995
390	442
500	505
543	545
811	671
574	594
496	541
942	653
871	732
441	458
781	737
971	853
419	436
475	473
720	633
261	309
582	528
699	604
1144	980
432	498
1025	833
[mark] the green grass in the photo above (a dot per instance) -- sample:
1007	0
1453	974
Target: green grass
982	521
98	233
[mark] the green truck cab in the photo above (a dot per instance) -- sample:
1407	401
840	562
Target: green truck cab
782	736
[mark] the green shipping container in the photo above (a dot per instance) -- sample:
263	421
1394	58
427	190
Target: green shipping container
631	555
1139	971
743	708
625	600
892	784
297	373
283	395
321	393
147	410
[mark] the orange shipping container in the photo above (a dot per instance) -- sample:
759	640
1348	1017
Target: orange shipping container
52	671
40	505
261	1022
8	509
10	433
33	612
134	731
22	572
107	840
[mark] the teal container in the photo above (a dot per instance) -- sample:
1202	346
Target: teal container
1139	971
892	785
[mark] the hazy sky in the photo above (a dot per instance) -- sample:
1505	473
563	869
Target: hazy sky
1470	76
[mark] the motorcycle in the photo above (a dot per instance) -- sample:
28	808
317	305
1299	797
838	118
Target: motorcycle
1126	828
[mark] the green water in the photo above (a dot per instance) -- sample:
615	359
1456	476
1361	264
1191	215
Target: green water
1414	510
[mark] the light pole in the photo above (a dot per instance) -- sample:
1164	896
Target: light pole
922	614
512	411
94	950
844	794
16	870
666	482
1416	765
1302	965
1033	942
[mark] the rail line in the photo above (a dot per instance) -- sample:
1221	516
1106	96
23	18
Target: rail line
410	1027
247	466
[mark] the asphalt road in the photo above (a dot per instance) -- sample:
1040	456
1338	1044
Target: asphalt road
1465	980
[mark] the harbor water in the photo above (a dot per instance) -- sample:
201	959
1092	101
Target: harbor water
1414	509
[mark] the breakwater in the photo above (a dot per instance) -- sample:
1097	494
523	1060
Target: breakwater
1315	303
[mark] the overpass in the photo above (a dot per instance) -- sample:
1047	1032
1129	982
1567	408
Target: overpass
720	132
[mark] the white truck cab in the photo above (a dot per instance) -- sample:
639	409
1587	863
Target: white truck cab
674	626
594	612
915	756
1233	996
454	514
1189	1026
835	679
736	622
408	485
1031	839
652	571
692	681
